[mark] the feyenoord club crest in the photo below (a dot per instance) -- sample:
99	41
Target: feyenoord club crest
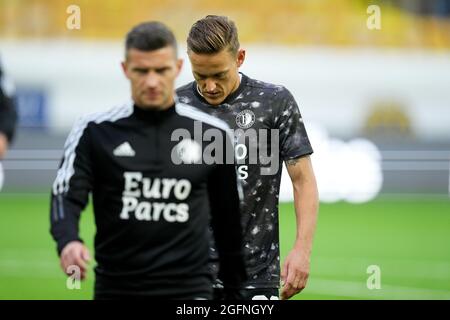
245	119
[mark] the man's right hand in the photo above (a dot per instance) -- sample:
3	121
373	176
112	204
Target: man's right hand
75	253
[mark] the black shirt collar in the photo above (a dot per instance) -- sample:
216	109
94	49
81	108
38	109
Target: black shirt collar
153	114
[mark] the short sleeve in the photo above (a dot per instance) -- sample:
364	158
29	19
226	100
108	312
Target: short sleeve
294	141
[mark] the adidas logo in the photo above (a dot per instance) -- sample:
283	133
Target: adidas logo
124	150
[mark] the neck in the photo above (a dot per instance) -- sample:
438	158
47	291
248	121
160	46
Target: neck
163	107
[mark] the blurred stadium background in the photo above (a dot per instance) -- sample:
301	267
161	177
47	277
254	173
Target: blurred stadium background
376	103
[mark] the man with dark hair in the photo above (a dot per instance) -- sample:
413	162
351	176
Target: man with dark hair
152	198
267	121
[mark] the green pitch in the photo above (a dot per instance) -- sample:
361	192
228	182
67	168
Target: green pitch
409	240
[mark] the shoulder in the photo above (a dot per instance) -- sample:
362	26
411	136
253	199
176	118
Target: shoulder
112	115
185	90
186	94
271	88
96	119
279	96
195	114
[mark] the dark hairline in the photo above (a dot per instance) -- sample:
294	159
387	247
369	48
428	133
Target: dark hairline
227	48
151	50
150	36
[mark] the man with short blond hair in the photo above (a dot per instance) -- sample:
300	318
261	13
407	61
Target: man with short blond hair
267	121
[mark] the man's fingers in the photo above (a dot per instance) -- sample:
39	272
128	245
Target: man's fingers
80	262
85	255
86	258
74	258
294	274
288	287
291	275
283	294
298	285
66	261
295	283
78	268
284	271
287	292
303	279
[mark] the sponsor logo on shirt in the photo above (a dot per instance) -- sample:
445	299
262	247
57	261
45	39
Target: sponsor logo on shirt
124	150
156	192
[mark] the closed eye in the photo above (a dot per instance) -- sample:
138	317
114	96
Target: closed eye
162	70
220	75
140	70
199	76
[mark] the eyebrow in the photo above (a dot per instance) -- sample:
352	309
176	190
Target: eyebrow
140	69
213	75
149	68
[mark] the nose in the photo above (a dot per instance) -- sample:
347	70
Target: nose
210	85
151	80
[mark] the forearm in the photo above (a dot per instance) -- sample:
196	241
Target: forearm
306	209
64	221
70	193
